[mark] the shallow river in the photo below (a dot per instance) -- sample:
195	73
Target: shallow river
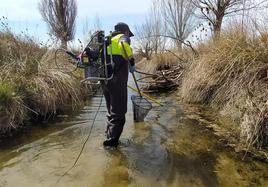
171	148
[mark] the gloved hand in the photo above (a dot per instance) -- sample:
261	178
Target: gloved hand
132	68
132	61
79	59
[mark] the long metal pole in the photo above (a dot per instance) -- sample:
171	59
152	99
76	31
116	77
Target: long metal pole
133	72
136	84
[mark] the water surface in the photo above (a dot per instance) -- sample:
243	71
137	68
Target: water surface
171	148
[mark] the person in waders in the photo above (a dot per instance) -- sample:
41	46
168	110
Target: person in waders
115	90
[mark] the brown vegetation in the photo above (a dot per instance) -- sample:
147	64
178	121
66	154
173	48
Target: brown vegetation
231	75
163	72
30	83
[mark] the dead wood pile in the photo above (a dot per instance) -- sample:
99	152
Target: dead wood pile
166	79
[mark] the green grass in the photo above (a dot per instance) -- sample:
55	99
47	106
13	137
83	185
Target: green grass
7	94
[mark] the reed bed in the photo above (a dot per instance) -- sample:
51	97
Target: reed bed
231	74
30	83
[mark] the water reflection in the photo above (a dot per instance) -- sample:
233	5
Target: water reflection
168	149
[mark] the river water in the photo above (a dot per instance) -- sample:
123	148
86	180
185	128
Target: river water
171	148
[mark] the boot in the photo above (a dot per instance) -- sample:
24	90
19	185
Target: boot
111	143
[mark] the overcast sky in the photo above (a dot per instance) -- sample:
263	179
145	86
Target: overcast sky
24	14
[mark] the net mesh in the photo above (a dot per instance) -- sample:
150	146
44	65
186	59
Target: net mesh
141	107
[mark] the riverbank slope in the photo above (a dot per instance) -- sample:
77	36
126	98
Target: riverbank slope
31	86
230	75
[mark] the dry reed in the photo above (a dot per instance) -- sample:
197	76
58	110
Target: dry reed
35	85
163	61
232	75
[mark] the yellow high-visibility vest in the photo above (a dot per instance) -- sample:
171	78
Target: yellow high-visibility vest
117	48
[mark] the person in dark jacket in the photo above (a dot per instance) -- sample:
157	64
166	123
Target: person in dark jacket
115	90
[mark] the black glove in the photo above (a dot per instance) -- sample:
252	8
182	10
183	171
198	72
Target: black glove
132	61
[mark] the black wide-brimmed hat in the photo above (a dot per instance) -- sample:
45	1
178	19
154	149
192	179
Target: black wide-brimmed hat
123	27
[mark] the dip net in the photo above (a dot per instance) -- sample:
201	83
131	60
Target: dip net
141	107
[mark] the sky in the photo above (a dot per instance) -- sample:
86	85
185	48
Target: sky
24	14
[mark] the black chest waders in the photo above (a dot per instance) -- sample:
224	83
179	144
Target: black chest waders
94	62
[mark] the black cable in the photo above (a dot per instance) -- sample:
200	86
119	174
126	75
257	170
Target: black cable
84	144
71	55
140	72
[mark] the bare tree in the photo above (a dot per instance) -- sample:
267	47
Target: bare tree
97	22
215	11
158	27
144	40
179	18
149	33
88	30
60	16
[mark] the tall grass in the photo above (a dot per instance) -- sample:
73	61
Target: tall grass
10	107
30	83
232	75
164	60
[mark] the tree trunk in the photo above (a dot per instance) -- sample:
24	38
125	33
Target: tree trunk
217	27
219	18
179	44
63	44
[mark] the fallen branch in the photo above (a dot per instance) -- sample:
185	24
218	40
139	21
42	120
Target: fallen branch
162	80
